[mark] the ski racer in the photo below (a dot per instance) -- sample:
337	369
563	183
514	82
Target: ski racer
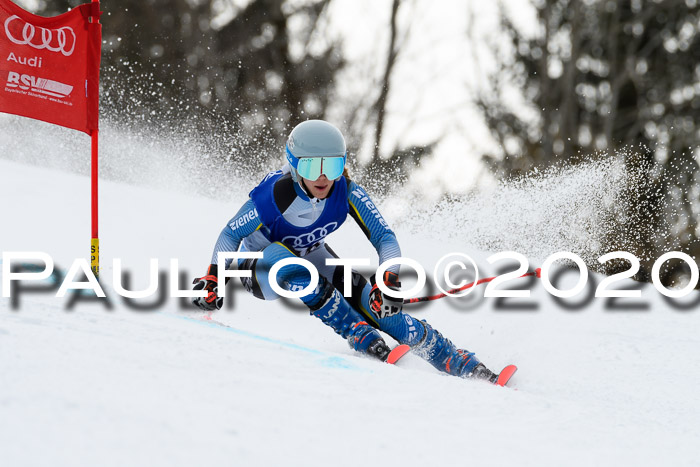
289	214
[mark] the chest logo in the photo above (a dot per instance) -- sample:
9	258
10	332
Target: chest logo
306	239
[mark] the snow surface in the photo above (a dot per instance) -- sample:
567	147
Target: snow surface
97	386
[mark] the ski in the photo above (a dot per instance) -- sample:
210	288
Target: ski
396	353
505	375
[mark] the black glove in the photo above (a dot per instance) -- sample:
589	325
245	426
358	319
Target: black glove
210	283
384	305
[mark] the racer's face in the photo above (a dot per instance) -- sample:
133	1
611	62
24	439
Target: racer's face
318	188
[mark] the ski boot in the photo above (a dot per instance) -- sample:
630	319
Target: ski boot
332	308
377	347
440	352
481	372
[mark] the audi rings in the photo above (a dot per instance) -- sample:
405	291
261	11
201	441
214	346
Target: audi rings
304	240
48	41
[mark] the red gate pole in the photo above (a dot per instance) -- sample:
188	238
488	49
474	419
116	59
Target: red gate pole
95	241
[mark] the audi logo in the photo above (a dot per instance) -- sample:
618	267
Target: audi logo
310	238
55	40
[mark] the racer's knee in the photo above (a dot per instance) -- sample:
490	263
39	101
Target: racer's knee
402	327
292	277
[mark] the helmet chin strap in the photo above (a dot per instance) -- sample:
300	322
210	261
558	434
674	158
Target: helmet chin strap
304	189
298	180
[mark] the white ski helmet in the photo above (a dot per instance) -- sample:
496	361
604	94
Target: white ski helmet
316	147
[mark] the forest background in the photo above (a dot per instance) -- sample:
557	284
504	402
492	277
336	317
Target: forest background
438	98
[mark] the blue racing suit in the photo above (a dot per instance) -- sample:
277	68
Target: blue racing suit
282	221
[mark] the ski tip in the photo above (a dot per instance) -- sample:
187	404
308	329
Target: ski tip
506	374
396	353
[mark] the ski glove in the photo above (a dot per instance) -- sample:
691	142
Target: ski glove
384	305
209	283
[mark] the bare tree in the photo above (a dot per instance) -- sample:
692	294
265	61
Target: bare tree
165	59
380	104
601	76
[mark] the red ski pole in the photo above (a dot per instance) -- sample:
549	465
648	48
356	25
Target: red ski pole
536	273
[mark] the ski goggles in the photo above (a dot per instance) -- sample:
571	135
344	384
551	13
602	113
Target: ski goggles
311	168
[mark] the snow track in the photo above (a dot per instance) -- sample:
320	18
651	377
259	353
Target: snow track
91	386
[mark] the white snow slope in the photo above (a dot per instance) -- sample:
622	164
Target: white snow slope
90	386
